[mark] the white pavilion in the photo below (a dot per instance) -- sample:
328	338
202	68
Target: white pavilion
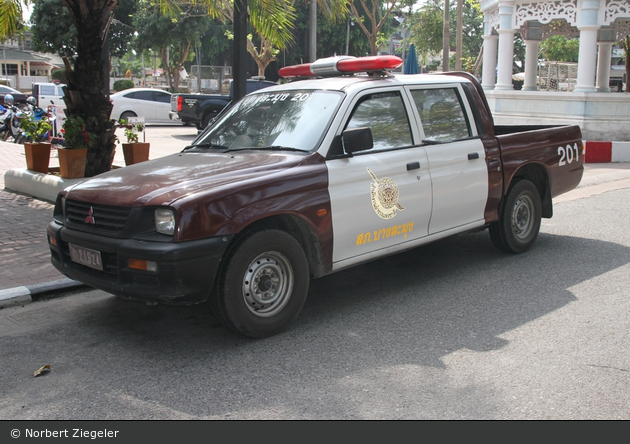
602	115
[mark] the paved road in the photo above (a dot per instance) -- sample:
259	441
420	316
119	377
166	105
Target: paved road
452	330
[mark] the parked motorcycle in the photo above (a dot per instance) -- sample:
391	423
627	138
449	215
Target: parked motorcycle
11	125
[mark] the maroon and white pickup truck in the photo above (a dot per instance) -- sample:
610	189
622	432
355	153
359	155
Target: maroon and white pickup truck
301	180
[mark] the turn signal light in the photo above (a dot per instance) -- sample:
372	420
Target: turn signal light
140	264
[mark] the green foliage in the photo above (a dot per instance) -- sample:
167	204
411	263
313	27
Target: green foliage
427	25
54	32
35	130
76	134
131	130
122	84
558	48
59	74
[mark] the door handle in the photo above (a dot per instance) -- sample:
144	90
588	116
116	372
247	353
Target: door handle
413	166
472	156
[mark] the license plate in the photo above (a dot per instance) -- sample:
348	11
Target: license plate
86	256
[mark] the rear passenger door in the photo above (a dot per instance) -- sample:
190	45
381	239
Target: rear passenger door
455	154
380	197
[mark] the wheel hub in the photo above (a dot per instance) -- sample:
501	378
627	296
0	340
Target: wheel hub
523	221
267	284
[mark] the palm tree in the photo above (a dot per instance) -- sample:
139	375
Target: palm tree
10	17
87	90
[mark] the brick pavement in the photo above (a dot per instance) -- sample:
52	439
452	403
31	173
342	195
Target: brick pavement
24	255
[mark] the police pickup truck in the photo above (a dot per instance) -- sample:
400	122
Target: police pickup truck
304	179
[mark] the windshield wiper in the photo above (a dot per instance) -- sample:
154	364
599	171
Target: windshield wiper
275	148
205	145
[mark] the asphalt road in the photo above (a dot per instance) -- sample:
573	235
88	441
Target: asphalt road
453	330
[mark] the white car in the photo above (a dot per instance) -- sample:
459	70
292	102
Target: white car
151	103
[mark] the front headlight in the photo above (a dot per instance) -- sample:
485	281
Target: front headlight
165	221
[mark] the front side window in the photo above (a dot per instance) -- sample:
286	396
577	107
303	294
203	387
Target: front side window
441	114
384	113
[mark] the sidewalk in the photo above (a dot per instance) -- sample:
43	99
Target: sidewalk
27	274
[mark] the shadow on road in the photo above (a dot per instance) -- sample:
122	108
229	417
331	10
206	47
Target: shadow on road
407	311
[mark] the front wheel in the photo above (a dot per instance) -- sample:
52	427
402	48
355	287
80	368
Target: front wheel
263	285
518	227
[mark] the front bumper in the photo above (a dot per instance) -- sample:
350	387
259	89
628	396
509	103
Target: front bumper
185	270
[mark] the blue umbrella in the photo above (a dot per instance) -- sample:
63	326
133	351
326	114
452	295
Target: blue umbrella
411	64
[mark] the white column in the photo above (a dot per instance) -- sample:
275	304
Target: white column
587	57
587	60
506	46
531	65
604	57
488	74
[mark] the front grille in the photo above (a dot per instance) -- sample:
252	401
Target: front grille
106	218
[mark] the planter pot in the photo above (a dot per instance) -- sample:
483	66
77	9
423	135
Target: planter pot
37	156
72	163
135	152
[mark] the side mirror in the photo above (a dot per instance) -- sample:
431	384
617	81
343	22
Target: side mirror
357	139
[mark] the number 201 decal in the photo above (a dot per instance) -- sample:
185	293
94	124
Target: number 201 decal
568	154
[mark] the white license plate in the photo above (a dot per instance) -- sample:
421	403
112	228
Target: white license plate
86	256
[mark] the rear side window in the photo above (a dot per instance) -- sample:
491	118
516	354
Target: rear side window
385	114
441	113
47	90
162	97
140	95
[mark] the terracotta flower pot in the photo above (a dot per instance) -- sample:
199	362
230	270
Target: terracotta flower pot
135	152
72	162
37	156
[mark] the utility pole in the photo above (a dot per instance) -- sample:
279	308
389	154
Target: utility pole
312	31
458	38
446	44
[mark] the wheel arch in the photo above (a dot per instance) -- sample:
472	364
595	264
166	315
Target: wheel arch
537	174
296	227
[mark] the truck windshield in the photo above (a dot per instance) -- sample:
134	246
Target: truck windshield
293	120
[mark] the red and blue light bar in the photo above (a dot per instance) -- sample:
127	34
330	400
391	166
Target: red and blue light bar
334	66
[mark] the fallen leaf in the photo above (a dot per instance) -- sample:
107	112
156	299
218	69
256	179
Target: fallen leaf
42	370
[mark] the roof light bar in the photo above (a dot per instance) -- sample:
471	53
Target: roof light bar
334	66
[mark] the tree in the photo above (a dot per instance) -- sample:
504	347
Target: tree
625	44
427	30
173	37
53	31
11	17
558	48
376	14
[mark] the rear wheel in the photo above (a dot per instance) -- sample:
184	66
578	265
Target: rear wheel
518	227
127	114
206	120
263	284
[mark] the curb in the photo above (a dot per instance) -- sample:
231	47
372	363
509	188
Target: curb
31	293
603	152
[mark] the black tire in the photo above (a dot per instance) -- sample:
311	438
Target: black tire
125	116
517	229
206	120
263	285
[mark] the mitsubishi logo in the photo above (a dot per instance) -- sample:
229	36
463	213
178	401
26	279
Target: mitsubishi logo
89	219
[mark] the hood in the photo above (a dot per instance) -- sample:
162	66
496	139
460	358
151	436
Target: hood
167	179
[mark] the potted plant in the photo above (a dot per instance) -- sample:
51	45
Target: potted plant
73	156
36	147
134	150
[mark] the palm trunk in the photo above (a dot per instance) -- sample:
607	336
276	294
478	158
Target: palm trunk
86	94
